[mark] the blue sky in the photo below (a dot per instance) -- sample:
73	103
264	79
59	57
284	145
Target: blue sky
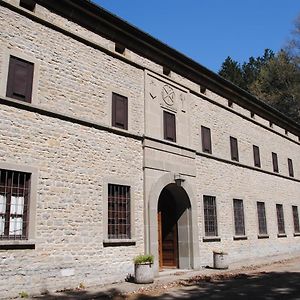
210	30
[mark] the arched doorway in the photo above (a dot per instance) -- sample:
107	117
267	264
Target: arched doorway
174	232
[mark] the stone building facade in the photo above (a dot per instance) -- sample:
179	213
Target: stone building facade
114	144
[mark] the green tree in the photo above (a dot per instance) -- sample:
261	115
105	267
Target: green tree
278	84
232	71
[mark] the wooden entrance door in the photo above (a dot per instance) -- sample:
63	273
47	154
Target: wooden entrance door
167	232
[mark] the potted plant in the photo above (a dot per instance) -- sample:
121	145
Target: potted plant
143	268
220	258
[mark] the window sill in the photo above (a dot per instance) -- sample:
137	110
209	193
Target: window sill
212	239
281	235
17	244
297	234
263	236
240	237
118	242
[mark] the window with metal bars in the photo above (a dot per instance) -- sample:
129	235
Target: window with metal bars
296	219
280	218
14	204
119	221
262	221
239	221
210	216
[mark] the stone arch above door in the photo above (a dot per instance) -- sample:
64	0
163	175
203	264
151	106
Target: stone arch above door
152	227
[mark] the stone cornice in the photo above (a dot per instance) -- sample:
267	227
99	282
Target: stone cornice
100	21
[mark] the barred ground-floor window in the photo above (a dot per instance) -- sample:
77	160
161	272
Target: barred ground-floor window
14	204
119	221
210	216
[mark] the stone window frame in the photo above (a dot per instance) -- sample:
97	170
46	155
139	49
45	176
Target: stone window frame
28	243
7	53
107	242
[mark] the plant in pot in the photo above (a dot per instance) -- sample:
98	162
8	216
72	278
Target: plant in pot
143	268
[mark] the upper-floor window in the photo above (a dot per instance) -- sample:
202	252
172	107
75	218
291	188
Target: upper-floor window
28	4
119	221
234	149
290	166
20	79
210	216
256	156
296	219
239	221
14	204
169	126
206	140
262	220
275	162
280	219
119	111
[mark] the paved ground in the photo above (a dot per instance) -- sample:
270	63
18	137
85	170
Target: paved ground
279	280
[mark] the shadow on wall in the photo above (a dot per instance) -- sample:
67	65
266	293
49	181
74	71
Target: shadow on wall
269	286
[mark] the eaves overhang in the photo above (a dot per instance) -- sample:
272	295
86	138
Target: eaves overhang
100	21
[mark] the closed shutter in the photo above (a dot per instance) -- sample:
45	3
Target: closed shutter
275	162
20	78
169	126
291	169
119	111
206	139
234	149
256	156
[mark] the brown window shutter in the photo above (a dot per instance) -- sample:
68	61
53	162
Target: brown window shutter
20	79
119	111
234	149
206	139
275	162
169	126
291	169
256	156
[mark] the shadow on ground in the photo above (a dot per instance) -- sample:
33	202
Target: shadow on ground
284	285
256	286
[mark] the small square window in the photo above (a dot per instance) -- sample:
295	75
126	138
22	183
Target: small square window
119	48
20	79
166	71
28	4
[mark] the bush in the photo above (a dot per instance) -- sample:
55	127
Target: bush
144	258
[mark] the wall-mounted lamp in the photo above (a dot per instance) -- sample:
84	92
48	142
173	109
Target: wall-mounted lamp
178	179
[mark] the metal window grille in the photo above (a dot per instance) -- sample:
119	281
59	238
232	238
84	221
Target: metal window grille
239	221
119	226
262	221
280	218
296	219
210	216
14	204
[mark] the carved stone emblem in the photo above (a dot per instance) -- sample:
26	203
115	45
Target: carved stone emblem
168	95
